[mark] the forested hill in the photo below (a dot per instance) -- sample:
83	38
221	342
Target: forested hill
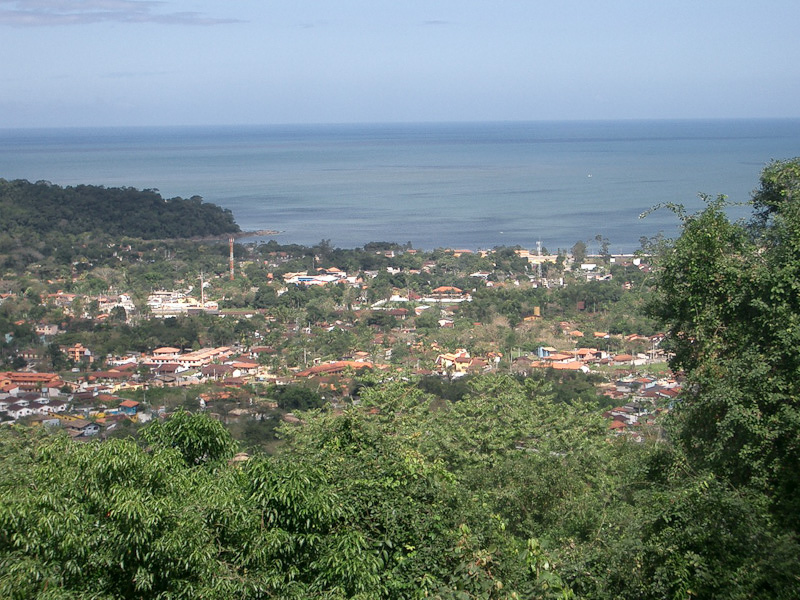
43	207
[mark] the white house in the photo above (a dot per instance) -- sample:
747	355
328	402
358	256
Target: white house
19	410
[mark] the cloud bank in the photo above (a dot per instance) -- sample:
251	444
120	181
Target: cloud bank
44	13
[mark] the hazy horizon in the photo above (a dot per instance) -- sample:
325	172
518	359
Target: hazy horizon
403	123
121	63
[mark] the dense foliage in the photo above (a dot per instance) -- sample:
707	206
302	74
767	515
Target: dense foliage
505	493
43	207
729	292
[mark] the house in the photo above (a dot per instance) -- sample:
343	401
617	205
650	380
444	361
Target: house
45	420
167	369
459	363
215	371
78	353
617	426
57	406
129	407
544	351
556	357
522	365
18	410
164	355
447	293
112	376
257	351
589	354
245	366
40	408
623	359
164	381
478	365
574	365
81	428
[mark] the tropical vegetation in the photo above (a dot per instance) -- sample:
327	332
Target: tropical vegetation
493	486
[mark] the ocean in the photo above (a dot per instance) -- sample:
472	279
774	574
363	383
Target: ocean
457	185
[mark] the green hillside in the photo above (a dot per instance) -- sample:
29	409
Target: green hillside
43	207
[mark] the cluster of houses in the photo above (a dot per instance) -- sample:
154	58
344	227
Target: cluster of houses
83	407
579	359
26	394
642	400
45	399
167	367
105	303
460	363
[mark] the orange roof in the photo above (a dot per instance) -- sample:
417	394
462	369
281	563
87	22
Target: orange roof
17	376
570	366
334	367
585	351
555	356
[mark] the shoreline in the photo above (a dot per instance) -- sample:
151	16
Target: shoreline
225	236
258	233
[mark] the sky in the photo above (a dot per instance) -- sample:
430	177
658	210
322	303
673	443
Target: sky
199	62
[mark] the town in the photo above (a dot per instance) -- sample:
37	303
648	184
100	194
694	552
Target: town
232	337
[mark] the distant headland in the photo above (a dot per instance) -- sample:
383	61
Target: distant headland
118	211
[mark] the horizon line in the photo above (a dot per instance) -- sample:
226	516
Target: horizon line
398	123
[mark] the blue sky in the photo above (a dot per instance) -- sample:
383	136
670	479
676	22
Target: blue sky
192	62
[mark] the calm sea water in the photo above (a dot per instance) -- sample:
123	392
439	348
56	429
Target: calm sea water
435	185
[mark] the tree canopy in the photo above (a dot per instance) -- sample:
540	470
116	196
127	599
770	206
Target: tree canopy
504	493
728	292
43	207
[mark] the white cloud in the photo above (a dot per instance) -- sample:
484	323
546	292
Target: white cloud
39	13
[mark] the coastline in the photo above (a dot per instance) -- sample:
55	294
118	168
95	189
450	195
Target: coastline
435	185
238	235
258	233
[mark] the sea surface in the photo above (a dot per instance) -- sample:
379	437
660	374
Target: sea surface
458	185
